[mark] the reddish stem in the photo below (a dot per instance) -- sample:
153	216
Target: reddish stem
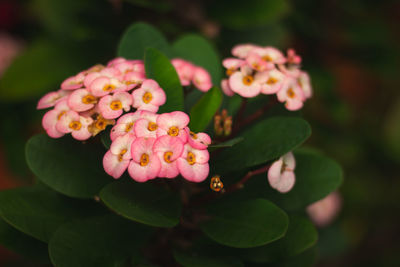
240	184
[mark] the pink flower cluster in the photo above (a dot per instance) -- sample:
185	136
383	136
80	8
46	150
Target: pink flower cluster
93	98
191	74
154	145
281	173
266	70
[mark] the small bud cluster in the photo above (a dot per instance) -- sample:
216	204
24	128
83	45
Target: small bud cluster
92	99
222	123
154	145
266	70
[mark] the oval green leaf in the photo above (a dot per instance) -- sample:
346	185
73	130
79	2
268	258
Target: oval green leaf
142	203
300	236
203	112
201	52
138	37
268	139
23	244
98	241
38	211
245	224
67	165
159	68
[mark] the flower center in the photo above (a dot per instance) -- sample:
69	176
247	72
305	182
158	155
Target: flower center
191	158
230	71
121	154
144	159
116	105
108	87
147	97
272	80
267	58
75	125
167	156
152	126
89	99
173	131
290	93
129	126
248	80
100	124
193	135
61	114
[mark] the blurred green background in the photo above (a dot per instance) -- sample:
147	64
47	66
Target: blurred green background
349	47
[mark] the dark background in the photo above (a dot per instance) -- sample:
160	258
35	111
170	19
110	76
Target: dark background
349	47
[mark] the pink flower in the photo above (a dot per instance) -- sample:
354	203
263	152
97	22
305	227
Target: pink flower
305	84
193	164
125	125
226	88
102	86
199	140
77	125
202	79
51	118
111	107
133	79
149	96
115	61
168	150
232	65
292	94
52	98
270	55
245	83
271	81
117	159
73	82
145	165
281	173
292	57
324	211
173	124
81	100
147	126
184	69
242	50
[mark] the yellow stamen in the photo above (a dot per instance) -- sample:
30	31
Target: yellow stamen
100	124
193	135
173	131
152	126
89	99
129	126
248	80
116	105
61	114
191	158
75	125
144	159
230	71
272	80
108	87
290	93
267	58
147	97
167	156
121	154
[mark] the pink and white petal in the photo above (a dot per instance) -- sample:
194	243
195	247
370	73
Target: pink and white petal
167	170
65	120
98	85
293	104
105	108
122	143
142	145
150	84
115	61
90	78
202	79
148	115
286	182
75	100
72	83
119	130
242	50
82	134
113	166
48	100
167	143
141	129
148	107
237	85
49	122
305	84
194	173
175	118
201	156
274	172
233	63
144	173
159	97
129	117
125	98
226	88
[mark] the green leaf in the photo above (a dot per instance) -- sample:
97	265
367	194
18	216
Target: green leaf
229	143
142	202
98	241
300	236
159	68
67	165
201	52
305	259
40	68
237	14
38	211
23	244
203	112
196	260
267	140
245	224
138	38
